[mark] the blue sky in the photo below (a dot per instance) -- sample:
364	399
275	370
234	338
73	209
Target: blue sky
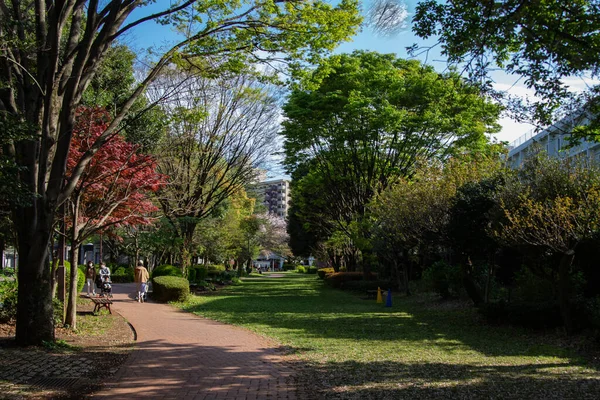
153	35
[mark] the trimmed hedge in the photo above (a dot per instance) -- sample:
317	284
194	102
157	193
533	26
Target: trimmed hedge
323	272
80	276
301	269
338	279
192	275
312	270
288	267
166	270
201	272
361	286
8	300
214	271
170	288
122	275
198	273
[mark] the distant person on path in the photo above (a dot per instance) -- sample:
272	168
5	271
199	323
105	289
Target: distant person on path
90	276
141	276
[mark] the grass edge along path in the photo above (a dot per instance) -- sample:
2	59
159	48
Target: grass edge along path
347	347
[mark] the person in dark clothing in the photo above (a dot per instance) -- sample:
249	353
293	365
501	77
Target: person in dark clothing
90	276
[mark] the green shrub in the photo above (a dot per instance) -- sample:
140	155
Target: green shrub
80	276
531	288
170	288
216	267
339	279
8	300
206	285
301	269
587	311
58	311
166	270
528	315
201	272
214	270
312	270
7	272
288	267
192	275
122	275
362	286
443	279
225	277
322	272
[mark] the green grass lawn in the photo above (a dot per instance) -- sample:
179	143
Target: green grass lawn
351	348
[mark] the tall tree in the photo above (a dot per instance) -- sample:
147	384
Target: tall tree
413	216
542	42
51	51
551	208
221	131
114	189
368	119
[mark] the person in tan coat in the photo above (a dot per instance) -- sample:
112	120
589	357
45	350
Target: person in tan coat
141	276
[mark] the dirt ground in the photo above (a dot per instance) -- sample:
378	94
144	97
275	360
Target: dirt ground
76	365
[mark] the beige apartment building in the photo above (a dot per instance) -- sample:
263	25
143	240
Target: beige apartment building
276	195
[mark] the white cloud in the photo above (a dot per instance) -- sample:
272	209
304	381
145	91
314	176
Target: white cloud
512	129
579	84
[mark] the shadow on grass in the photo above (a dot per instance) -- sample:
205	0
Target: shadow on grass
162	369
169	369
391	380
308	309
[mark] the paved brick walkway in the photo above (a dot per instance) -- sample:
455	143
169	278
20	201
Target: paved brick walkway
181	356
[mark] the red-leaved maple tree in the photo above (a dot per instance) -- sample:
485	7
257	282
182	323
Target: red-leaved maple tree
113	190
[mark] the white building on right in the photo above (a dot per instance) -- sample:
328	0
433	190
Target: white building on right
554	141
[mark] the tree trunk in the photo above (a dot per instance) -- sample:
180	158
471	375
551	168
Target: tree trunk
406	271
2	248
35	319
53	277
186	252
488	281
564	289
367	259
469	284
399	279
71	316
406	275
137	250
60	254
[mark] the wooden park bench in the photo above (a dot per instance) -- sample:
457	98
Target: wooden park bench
101	302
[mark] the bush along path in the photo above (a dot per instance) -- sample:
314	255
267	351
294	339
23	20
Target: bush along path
180	355
347	347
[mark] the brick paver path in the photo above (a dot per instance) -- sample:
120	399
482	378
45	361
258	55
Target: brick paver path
181	356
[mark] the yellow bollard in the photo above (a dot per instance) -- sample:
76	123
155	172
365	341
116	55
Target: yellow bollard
379	298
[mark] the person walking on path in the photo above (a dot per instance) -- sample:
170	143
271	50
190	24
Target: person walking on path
90	276
141	276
